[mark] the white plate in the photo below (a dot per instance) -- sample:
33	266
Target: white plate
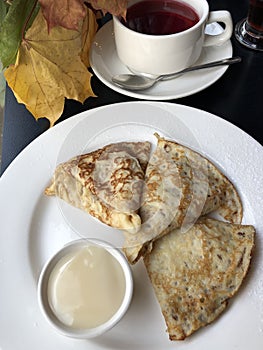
33	228
106	63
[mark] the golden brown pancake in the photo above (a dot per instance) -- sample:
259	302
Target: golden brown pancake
194	273
181	185
106	183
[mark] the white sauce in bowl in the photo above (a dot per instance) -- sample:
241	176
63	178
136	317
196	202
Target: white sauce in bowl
86	287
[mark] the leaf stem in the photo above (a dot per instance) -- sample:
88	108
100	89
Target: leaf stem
23	32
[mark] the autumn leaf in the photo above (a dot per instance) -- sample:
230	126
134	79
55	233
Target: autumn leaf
13	22
2	87
3	11
89	29
49	68
68	13
115	7
64	13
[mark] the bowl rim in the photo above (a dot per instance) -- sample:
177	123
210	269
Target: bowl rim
43	295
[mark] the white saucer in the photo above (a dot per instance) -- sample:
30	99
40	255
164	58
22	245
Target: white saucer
105	64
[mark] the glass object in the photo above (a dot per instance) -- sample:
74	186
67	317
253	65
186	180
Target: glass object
249	31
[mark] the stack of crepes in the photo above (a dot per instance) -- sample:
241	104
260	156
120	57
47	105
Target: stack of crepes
162	202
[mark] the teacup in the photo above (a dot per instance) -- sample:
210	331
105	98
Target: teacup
145	45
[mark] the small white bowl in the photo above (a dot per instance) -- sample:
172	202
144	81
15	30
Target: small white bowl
43	290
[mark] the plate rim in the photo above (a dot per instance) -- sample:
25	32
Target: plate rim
74	119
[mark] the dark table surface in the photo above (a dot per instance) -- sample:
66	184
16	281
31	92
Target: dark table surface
236	97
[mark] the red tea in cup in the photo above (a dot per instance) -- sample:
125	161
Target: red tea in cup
166	36
160	17
255	15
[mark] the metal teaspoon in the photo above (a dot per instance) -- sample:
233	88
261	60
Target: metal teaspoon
143	82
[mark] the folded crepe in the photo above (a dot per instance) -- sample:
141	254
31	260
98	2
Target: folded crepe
106	183
194	273
181	186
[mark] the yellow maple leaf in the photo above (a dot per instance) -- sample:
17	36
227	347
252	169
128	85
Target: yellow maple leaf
49	69
89	29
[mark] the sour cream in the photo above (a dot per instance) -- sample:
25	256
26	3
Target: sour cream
86	287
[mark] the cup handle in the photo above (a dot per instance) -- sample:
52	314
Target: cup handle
223	17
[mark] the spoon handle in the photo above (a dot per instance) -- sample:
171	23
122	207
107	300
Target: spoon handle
226	61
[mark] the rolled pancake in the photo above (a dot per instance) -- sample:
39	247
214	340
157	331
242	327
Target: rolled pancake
196	272
181	186
106	183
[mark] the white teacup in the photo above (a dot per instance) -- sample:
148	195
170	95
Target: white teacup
168	53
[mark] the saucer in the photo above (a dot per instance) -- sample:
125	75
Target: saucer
106	63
